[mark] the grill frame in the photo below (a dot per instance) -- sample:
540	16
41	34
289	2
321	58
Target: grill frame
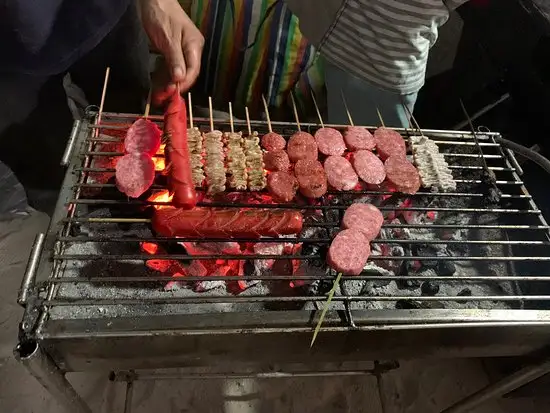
77	344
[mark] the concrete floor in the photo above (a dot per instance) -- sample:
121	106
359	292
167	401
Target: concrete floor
419	386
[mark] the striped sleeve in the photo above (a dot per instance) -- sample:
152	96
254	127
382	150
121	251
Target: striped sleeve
386	42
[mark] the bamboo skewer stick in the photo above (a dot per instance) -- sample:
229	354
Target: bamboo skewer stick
248	121
231	118
317	109
190	110
103	93
412	119
148	103
295	109
115	220
211	115
267	114
347	108
380	117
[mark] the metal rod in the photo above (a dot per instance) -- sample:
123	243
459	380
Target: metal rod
270	299
303	240
332	192
514	161
506	385
43	368
332	224
191	278
482	111
258	375
130	117
146	257
129	396
70	143
32	266
313	207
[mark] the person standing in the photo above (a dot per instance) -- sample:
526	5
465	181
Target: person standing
42	41
376	52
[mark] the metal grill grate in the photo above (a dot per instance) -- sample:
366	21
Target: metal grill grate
513	235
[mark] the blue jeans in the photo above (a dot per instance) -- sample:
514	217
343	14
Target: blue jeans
362	99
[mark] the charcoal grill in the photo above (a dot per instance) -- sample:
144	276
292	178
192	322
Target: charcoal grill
120	318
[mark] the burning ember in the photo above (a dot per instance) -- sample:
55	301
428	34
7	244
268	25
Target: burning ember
159	161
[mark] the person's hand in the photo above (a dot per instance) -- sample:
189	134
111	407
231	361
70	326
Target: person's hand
174	35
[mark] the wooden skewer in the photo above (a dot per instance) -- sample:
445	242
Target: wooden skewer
380	117
248	121
190	110
231	118
346	107
148	103
210	111
103	93
267	114
114	220
317	109
411	117
295	109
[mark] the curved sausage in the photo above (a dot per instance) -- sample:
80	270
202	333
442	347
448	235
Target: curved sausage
177	152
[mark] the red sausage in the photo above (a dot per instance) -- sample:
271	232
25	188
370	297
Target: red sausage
134	174
330	141
340	173
302	145
311	177
349	251
357	138
232	223
177	152
369	167
273	142
364	217
143	136
276	161
389	143
282	185
402	174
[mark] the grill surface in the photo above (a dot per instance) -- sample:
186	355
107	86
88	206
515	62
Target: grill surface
505	245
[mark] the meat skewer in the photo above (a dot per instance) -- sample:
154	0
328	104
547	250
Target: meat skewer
177	153
329	140
271	141
236	160
143	136
226	222
301	145
135	171
254	159
357	137
214	157
194	138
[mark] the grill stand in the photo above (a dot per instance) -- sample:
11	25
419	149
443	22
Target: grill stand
48	346
43	368
500	388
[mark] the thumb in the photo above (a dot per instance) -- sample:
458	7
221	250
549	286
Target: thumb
176	62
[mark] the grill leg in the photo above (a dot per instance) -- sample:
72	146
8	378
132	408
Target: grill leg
129	396
43	369
502	387
241	396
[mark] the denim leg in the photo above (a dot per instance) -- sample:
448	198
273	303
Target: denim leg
362	99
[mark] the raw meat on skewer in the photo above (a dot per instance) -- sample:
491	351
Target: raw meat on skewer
236	160
214	157
194	139
254	159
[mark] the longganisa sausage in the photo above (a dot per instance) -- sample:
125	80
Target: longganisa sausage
226	223
177	153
